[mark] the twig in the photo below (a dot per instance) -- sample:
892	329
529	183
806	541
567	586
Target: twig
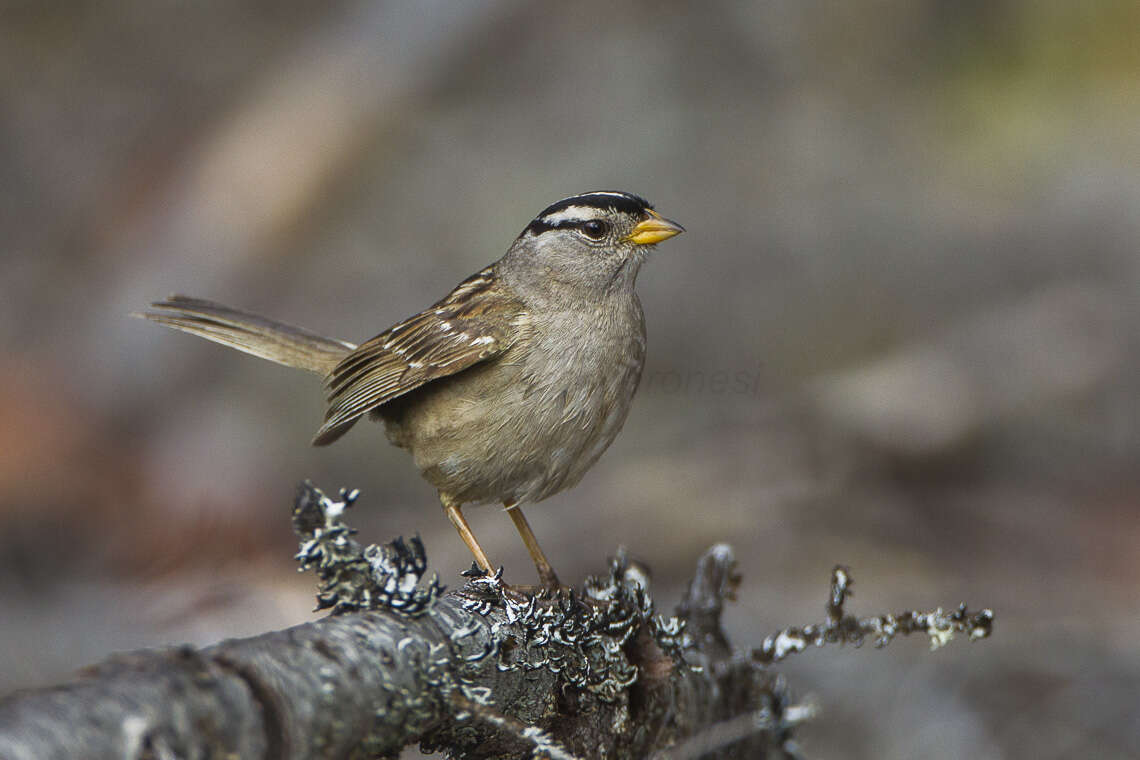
841	628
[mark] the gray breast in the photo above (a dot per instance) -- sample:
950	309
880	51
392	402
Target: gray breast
529	424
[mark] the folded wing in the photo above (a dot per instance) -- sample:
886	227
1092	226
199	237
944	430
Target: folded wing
447	338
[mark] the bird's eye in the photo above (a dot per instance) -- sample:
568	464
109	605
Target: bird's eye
595	229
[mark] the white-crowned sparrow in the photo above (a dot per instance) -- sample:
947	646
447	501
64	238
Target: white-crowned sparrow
509	388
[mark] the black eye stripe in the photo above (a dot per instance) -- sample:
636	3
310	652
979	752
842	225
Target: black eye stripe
539	226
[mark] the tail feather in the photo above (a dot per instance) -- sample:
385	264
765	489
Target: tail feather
253	334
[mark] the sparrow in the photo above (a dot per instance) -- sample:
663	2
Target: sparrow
510	387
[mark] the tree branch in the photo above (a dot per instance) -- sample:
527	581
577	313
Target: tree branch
484	671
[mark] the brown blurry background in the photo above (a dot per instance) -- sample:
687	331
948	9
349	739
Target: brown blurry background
901	332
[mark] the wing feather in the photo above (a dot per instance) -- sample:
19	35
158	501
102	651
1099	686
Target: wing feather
463	329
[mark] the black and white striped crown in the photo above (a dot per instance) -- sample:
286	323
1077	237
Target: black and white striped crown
570	211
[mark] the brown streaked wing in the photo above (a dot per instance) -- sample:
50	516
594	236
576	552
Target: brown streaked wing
452	335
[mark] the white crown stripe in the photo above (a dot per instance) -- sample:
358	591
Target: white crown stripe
573	213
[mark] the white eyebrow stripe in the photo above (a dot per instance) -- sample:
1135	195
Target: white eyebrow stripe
572	214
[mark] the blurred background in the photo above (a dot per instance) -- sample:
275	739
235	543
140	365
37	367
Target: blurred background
901	332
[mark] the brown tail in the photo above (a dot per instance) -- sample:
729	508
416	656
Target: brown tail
277	342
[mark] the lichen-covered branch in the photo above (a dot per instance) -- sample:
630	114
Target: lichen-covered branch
941	626
484	671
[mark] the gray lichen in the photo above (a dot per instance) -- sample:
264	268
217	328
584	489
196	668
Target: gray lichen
578	636
355	578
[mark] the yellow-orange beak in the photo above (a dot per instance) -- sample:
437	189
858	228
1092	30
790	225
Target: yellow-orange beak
653	230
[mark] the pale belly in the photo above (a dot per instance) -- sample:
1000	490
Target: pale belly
521	429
